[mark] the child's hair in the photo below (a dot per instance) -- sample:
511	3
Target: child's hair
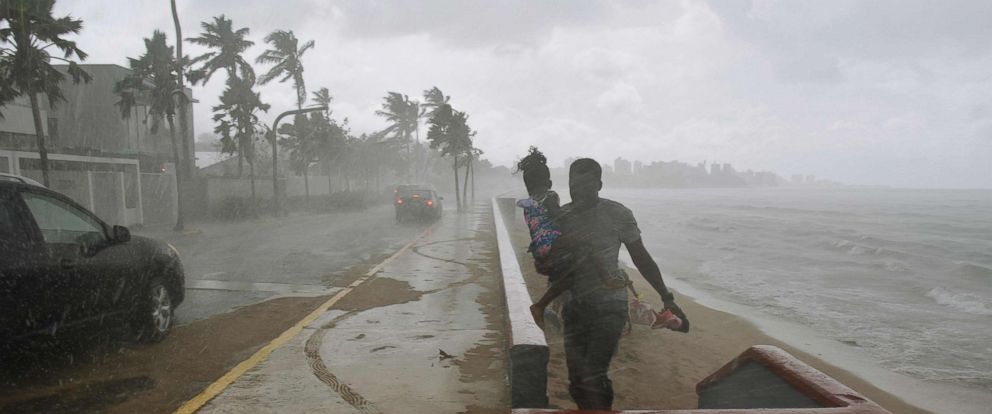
535	169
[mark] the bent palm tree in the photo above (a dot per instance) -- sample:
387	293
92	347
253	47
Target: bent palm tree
237	117
26	66
450	132
153	81
227	46
329	136
286	55
404	118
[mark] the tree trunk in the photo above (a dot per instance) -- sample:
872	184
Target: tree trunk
251	179
416	166
183	126
275	170
241	158
458	199
40	133
306	184
471	165
330	181
465	183
179	193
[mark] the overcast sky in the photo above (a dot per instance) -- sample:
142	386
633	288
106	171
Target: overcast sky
891	92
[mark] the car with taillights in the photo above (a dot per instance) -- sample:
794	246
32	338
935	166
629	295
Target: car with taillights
417	202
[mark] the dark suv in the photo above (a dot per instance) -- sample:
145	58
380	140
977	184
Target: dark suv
63	269
417	202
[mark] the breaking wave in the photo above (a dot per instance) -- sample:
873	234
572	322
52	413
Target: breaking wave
960	301
859	249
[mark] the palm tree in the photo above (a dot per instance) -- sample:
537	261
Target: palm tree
7	90
227	46
286	55
301	145
434	99
404	118
450	132
26	64
237	118
153	81
180	94
322	97
329	136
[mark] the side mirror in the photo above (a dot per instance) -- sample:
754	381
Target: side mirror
121	234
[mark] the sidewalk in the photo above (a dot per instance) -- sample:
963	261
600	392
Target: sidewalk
422	336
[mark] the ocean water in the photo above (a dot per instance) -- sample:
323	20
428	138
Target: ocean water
903	275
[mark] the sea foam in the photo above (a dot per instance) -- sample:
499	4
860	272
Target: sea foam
961	301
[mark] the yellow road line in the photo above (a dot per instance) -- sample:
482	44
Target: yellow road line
227	379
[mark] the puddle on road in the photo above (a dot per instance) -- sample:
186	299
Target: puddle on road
378	292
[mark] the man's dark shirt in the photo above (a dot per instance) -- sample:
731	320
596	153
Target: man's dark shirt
595	233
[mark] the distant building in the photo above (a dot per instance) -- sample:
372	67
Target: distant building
638	167
621	166
116	167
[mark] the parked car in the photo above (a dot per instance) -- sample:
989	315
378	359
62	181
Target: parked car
417	202
63	270
18	179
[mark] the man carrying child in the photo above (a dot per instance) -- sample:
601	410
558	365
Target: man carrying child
596	311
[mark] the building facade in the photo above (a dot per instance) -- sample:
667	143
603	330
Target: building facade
114	165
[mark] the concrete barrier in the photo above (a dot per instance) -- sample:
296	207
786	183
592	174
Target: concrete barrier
765	380
528	348
765	376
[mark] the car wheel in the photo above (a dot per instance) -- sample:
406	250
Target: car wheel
155	316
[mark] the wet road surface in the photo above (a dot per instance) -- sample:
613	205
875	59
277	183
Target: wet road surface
238	263
423	335
246	283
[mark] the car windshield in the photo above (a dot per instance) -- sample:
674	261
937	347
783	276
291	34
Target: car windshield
420	206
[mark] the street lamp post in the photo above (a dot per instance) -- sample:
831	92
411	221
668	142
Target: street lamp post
275	151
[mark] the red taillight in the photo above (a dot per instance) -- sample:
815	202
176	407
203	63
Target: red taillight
399	201
430	203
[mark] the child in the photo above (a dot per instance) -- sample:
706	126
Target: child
539	212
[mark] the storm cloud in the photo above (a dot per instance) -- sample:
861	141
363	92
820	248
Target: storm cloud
885	92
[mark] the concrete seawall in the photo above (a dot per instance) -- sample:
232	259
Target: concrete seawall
528	348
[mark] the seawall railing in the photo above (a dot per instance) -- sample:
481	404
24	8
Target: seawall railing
528	347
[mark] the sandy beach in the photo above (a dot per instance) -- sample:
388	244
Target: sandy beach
659	369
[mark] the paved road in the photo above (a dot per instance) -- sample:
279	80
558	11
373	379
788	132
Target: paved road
231	270
237	263
425	335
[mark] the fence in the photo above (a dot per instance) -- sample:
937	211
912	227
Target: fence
158	198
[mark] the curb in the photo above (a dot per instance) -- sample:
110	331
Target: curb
528	347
